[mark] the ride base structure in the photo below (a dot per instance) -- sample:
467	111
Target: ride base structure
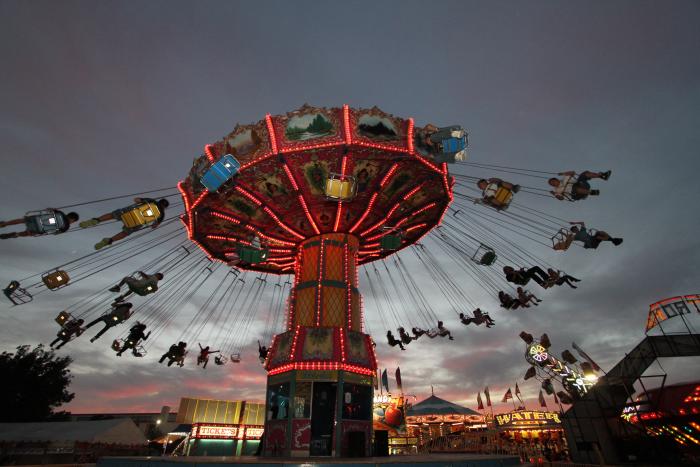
318	193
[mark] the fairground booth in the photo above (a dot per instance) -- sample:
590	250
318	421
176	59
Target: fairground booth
389	423
217	428
435	417
532	426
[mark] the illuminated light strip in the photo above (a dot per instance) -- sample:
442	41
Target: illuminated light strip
388	175
228	239
280	250
348	311
290	177
339	211
294	342
308	147
292	293
346	124
320	278
391	212
412	192
256	161
410	136
190	223
210	155
302	201
445	183
285	258
225	217
199	199
271	133
383	147
279	265
342	344
418	226
369	252
272	346
252	229
366	213
370	245
413	152
282	224
362	304
247	194
402	221
322	366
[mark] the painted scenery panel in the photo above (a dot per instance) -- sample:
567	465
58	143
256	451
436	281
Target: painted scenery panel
377	128
309	126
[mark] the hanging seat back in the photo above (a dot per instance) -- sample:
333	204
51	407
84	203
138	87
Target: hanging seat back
498	196
44	222
484	255
16	294
235	358
390	242
141	214
55	279
340	188
252	255
220	172
559	240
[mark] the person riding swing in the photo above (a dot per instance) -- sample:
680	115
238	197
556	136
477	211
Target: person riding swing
146	285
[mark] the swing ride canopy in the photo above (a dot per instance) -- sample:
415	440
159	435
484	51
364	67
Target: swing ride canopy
279	193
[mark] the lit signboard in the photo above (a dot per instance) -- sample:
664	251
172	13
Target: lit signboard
672	307
223	431
524	418
253	433
573	381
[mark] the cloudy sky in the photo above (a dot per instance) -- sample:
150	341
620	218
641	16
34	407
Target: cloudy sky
111	98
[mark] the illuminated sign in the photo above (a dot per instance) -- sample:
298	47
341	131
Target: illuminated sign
672	307
253	433
523	418
573	381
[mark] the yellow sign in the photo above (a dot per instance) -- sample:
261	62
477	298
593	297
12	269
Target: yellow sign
527	417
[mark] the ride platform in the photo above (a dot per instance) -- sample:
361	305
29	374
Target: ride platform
423	460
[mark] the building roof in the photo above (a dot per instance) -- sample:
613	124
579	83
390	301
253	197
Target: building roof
118	431
433	405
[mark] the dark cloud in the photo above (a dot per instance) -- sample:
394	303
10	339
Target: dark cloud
120	96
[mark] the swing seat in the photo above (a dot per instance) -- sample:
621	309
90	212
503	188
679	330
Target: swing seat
497	196
235	358
56	279
559	238
484	255
63	317
140	215
340	188
220	172
16	294
390	242
451	142
44	222
252	255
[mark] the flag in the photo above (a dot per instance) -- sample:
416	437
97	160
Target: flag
488	397
507	395
479	402
543	402
385	380
585	356
517	393
398	379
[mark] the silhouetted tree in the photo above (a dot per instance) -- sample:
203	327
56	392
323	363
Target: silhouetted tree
34	383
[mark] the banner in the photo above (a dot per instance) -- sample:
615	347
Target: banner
517	393
488	397
479	402
507	395
385	380
398	379
543	403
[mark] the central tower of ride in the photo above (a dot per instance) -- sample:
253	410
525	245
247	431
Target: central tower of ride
316	193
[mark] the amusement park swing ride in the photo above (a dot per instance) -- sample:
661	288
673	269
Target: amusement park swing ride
318	194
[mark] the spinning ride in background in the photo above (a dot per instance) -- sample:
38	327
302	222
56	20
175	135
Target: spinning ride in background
318	192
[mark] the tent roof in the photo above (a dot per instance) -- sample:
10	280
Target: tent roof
433	405
118	430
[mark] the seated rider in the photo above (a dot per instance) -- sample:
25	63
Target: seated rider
403	335
483	317
393	341
175	354
522	276
59	223
136	335
148	284
204	353
443	331
262	352
583	235
72	327
508	302
560	278
526	298
574	187
219	360
417	332
466	320
489	190
139	203
120	312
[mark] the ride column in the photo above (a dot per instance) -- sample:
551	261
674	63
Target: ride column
320	371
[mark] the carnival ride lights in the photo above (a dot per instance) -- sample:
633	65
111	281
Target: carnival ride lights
575	381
